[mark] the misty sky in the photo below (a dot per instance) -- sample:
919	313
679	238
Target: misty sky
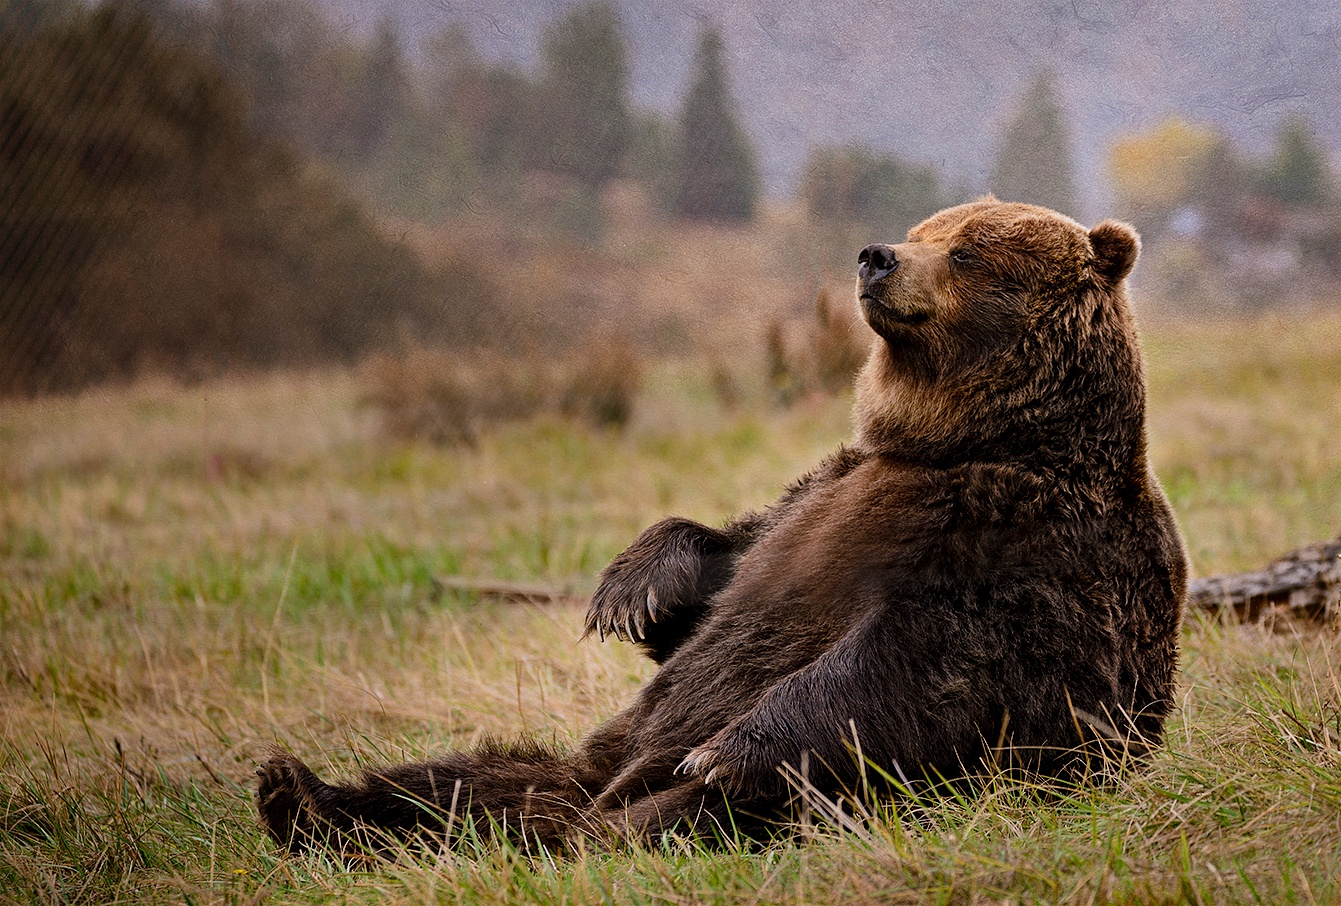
935	81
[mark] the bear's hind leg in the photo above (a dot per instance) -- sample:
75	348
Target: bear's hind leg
523	791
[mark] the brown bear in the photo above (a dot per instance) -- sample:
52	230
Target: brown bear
988	575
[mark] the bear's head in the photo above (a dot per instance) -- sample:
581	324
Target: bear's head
1003	331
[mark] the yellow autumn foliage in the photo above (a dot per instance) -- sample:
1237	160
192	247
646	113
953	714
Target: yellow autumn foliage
1161	168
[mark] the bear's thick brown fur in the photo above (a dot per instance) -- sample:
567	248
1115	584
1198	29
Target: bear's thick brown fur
988	575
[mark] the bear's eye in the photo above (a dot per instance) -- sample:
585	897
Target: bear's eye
961	255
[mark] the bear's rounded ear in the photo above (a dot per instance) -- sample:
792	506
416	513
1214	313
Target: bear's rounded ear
1116	246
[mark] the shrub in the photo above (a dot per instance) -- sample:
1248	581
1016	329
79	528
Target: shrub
725	384
782	378
420	395
837	350
434	396
826	360
150	227
600	384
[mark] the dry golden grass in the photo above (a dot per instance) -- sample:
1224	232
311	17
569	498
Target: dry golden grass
189	574
1245	422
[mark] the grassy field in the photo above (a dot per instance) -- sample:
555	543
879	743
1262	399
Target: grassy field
190	574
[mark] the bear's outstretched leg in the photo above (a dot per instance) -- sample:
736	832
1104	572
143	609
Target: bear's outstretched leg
282	802
525	792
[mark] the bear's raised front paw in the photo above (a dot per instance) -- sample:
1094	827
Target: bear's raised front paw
633	596
614	611
652	581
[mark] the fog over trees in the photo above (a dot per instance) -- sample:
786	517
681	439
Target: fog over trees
195	186
937	83
1034	160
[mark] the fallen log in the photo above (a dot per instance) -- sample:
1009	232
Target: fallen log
527	592
1305	583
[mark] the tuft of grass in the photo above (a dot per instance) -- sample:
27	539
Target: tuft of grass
163	620
601	385
432	395
838	345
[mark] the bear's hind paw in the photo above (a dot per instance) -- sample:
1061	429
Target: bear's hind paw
279	803
285	802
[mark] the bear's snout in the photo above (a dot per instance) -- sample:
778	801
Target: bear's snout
875	262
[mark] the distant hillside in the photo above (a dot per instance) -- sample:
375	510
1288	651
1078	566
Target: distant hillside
934	81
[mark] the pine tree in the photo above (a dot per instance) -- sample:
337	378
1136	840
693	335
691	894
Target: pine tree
718	176
1297	173
385	89
585	94
1034	164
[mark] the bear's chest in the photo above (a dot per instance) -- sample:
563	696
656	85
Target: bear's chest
809	580
834	550
799	589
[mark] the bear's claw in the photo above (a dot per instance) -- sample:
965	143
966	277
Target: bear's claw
656	577
628	620
705	763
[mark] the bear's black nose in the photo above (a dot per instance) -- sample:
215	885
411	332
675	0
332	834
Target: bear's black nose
876	261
